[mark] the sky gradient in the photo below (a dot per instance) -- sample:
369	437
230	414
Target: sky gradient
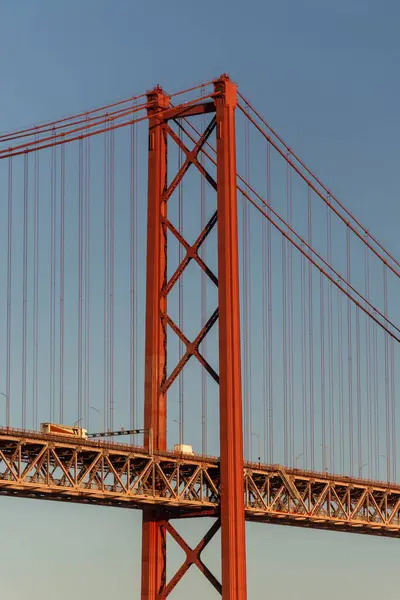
325	75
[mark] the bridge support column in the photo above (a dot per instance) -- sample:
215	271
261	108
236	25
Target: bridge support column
153	528
233	535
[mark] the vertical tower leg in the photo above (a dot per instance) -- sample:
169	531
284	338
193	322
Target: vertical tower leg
153	529
233	535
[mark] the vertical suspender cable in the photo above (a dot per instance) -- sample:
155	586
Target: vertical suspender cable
35	315
132	271
203	301
9	290
51	286
62	278
80	268
24	289
270	415
310	335
368	371
87	283
53	282
180	296
373	365
111	266
358	368
105	288
322	373
340	361
376	421
332	411
387	382
138	405
284	352
349	354
290	322
245	351
264	316
248	291
303	318
394	417
84	283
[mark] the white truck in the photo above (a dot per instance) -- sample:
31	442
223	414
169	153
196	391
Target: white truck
183	449
65	430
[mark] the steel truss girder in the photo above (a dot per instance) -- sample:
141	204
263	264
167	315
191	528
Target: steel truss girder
45	467
322	501
102	473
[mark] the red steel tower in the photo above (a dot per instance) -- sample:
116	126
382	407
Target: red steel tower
221	104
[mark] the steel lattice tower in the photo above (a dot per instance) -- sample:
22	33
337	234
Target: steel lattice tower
232	519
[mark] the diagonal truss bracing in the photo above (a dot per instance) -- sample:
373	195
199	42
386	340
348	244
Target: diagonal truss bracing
36	466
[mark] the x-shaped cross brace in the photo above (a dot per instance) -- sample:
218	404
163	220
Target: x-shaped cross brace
192	349
193	557
192	253
191	157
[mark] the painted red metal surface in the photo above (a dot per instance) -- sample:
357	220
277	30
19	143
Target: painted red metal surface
159	322
233	536
153	531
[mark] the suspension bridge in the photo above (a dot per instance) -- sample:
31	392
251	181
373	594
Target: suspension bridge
240	309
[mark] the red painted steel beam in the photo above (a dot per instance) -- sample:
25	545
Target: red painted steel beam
233	535
153	528
189	111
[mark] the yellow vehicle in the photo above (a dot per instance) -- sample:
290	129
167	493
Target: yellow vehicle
64	430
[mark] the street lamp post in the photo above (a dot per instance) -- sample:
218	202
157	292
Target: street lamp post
98	412
179	423
325	459
259	446
387	464
297	458
7	399
361	468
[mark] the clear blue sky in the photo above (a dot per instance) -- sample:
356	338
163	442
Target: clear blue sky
325	75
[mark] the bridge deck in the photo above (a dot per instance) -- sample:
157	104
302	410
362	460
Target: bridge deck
34	465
